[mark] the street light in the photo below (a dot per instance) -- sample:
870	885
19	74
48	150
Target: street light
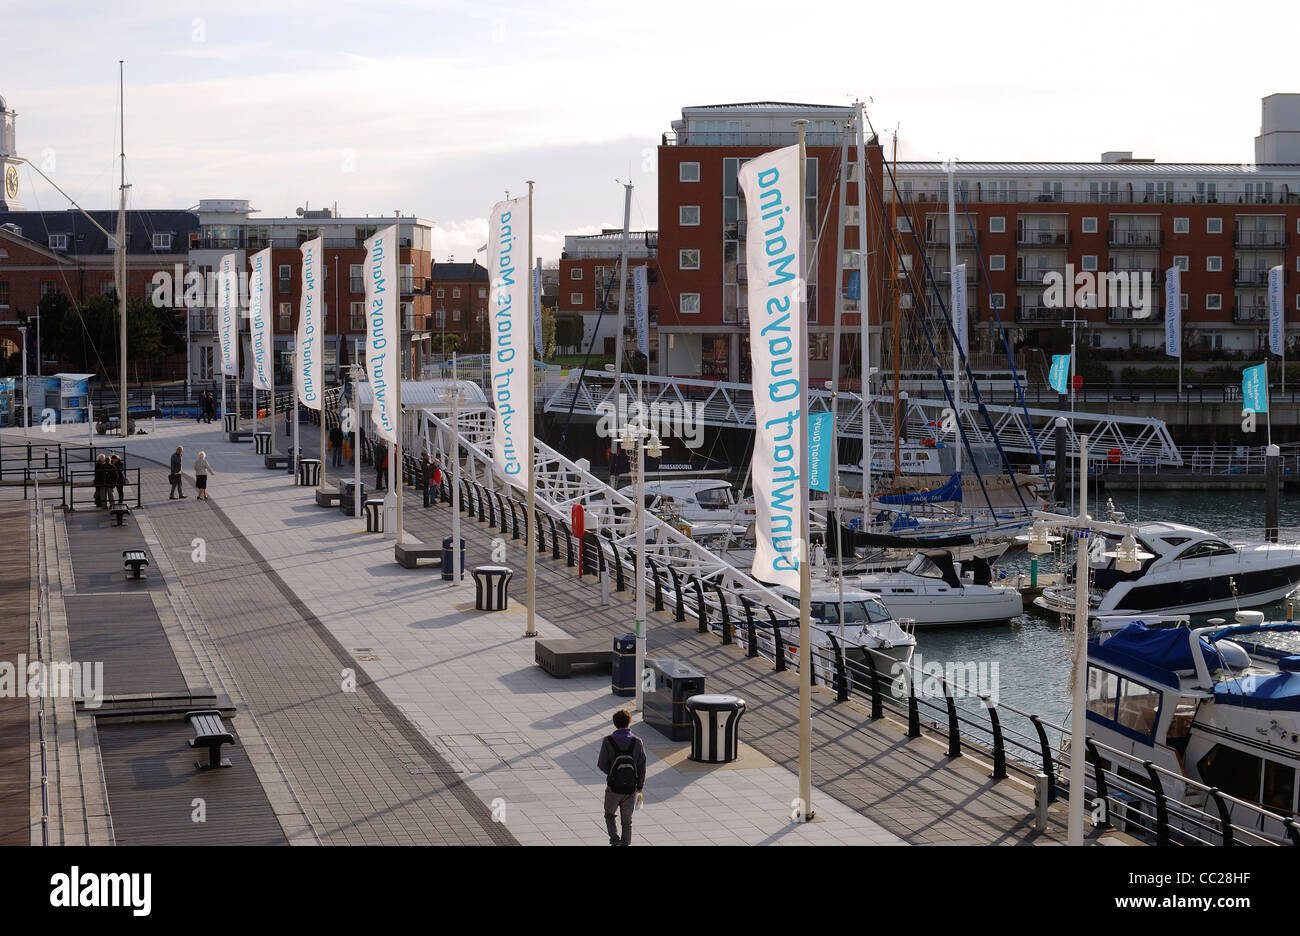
643	441
22	330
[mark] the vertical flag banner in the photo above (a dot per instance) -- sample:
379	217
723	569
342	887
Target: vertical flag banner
259	319
311	327
1173	312
959	309
228	314
1254	389
1059	375
383	311
512	365
778	341
641	308
1276	313
821	436
537	308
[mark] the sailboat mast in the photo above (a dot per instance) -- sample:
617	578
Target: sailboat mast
123	422
622	283
864	310
893	279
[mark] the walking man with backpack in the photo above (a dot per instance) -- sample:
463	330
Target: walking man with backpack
622	760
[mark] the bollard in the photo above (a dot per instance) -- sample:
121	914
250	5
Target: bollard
1042	799
1033	573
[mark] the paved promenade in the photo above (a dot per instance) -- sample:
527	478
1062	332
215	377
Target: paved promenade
376	706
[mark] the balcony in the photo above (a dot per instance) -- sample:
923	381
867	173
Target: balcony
1117	315
1243	314
1040	314
1036	276
940	238
1259	240
1251	278
1151	239
942	275
1055	237
407	285
1132	273
202	321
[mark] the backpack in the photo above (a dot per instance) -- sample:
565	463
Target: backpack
622	772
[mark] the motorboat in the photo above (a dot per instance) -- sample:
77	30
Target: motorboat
693	500
1195	703
934	589
868	626
1186	571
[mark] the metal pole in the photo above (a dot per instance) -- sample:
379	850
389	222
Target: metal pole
27	417
531	519
622	278
950	167
1078	677
865	310
1272	473
454	467
640	551
805	583
123	422
356	441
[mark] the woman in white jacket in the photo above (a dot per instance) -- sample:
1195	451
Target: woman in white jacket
201	471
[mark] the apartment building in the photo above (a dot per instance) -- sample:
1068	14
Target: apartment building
589	281
460	305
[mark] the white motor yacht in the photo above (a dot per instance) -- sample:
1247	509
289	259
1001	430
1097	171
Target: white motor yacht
933	589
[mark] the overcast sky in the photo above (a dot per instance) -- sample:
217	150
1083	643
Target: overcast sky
437	107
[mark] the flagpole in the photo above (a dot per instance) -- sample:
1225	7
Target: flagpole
397	477
805	582
531	524
457	564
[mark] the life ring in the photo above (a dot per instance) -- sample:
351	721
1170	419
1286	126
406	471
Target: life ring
928	443
1113	456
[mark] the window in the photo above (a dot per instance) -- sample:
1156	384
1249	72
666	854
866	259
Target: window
58	242
439	318
1232	771
107	288
357	317
286	275
997	261
442	292
688	215
48	287
689	303
997	225
575	299
688	172
162	242
1279	787
455	314
1182	301
1207	192
1206	549
482	292
1090	262
1213	301
1213	264
1213	225
4	294
999	300
1181	263
1181	225
1139	706
904	226
406	278
575	273
1090	225
688	259
1103	693
455	292
354	278
286	316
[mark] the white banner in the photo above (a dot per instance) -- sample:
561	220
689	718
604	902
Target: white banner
228	314
261	340
1173	312
959	311
778	345
512	365
1276	312
309	369
537	308
383	331
641	308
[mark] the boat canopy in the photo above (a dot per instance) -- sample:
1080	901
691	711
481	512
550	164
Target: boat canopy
1277	691
950	491
1158	653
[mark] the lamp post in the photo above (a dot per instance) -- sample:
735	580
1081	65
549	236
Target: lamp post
457	397
22	330
355	372
642	441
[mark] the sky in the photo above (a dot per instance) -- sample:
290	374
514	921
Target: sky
438	108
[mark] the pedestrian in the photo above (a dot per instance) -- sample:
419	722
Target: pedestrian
209	407
336	445
619	466
381	466
101	479
119	478
622	761
201	471
176	477
435	475
287	411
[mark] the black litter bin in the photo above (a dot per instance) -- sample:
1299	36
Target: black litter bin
664	699
448	567
715	723
623	675
347	495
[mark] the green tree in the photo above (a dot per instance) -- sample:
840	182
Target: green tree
548	333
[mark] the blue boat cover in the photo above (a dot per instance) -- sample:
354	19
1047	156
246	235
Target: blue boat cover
1277	692
1156	652
951	491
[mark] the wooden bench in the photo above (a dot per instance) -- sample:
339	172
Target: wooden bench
209	732
119	515
280	462
134	560
559	656
409	555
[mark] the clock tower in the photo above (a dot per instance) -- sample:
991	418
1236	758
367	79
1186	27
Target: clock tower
8	161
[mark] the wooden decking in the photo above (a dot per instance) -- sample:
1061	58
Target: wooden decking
15	602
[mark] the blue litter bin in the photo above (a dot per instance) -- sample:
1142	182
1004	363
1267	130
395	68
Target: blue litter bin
622	681
448	569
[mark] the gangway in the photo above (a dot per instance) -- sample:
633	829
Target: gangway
673	400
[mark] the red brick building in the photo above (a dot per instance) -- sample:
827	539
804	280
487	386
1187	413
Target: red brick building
460	303
589	282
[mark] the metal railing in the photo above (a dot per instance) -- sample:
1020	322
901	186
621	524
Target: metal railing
1259	239
84	480
1118	238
